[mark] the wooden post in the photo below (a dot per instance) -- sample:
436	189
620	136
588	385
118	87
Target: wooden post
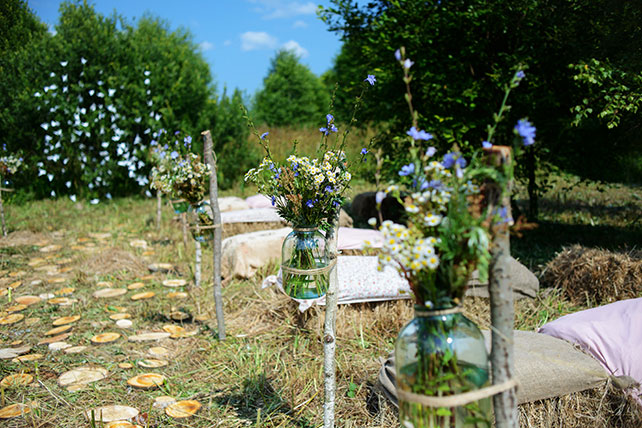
501	297
158	210
199	256
184	227
329	329
4	228
210	158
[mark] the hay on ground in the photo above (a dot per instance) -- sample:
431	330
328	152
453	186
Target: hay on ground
595	276
113	260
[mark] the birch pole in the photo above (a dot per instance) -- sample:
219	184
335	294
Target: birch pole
198	257
158	210
501	299
329	329
210	158
4	228
184	227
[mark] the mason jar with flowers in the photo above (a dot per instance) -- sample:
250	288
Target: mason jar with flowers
441	362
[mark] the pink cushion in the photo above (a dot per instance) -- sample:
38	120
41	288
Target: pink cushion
259	201
354	239
612	334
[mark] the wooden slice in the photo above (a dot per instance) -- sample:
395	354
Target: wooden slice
50	248
201	318
82	240
16	308
124	323
120	316
147	380
82	375
14	285
158	351
77	387
58	338
100	235
135	286
27	357
46	296
36	261
179	315
17	273
161	267
183	409
163	401
109	292
11	319
177	295
28	300
105	338
120	424
16	342
182	334
147	277
142	296
16	380
113	308
7	353
62	301
103	284
174	283
14	410
125	365
138	243
66	269
57	280
66	291
112	413
148	337
75	349
59	346
148	253
66	320
172	329
3	292
152	363
58	330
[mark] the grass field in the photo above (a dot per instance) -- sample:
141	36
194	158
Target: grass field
268	372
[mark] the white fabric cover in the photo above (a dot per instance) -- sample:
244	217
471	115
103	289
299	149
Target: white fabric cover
359	281
258	201
232	203
252	215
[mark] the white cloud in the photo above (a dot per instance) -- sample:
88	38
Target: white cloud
227	43
296	48
272	9
251	40
206	46
299	24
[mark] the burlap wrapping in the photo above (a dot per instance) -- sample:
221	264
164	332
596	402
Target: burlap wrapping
545	367
523	282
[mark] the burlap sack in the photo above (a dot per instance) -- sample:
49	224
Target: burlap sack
523	281
232	203
242	255
545	367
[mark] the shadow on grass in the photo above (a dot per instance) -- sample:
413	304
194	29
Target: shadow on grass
257	393
538	246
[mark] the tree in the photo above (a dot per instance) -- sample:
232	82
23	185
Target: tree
291	93
463	50
18	26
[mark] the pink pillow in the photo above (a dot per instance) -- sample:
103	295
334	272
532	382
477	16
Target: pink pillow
612	334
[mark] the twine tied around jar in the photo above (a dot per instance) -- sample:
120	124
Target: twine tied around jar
457	400
315	271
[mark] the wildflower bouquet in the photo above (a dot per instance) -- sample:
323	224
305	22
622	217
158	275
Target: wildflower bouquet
9	164
446	237
178	172
307	193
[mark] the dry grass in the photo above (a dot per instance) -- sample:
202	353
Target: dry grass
267	373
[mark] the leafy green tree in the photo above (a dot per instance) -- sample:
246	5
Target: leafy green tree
463	50
291	93
18	26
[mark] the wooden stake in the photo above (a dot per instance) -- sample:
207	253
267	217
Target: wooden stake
329	329
158	210
501	299
197	269
184	226
210	158
4	228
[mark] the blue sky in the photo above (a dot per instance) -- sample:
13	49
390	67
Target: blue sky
237	37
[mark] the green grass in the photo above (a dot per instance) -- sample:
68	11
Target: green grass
268	372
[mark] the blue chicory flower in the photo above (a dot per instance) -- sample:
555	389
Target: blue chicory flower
364	151
419	134
174	154
398	54
486	144
329	189
407	63
526	130
329	118
370	79
310	203
273	200
263	135
379	197
407	169
520	74
449	160
187	140
431	152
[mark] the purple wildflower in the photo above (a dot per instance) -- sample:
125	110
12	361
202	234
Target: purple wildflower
263	135
370	79
486	144
526	130
419	134
407	169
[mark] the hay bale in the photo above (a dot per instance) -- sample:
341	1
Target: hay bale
595	276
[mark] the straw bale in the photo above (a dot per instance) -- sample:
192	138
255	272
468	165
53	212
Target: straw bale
595	276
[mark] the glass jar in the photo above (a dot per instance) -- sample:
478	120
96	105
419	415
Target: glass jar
305	263
437	354
180	206
202	217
